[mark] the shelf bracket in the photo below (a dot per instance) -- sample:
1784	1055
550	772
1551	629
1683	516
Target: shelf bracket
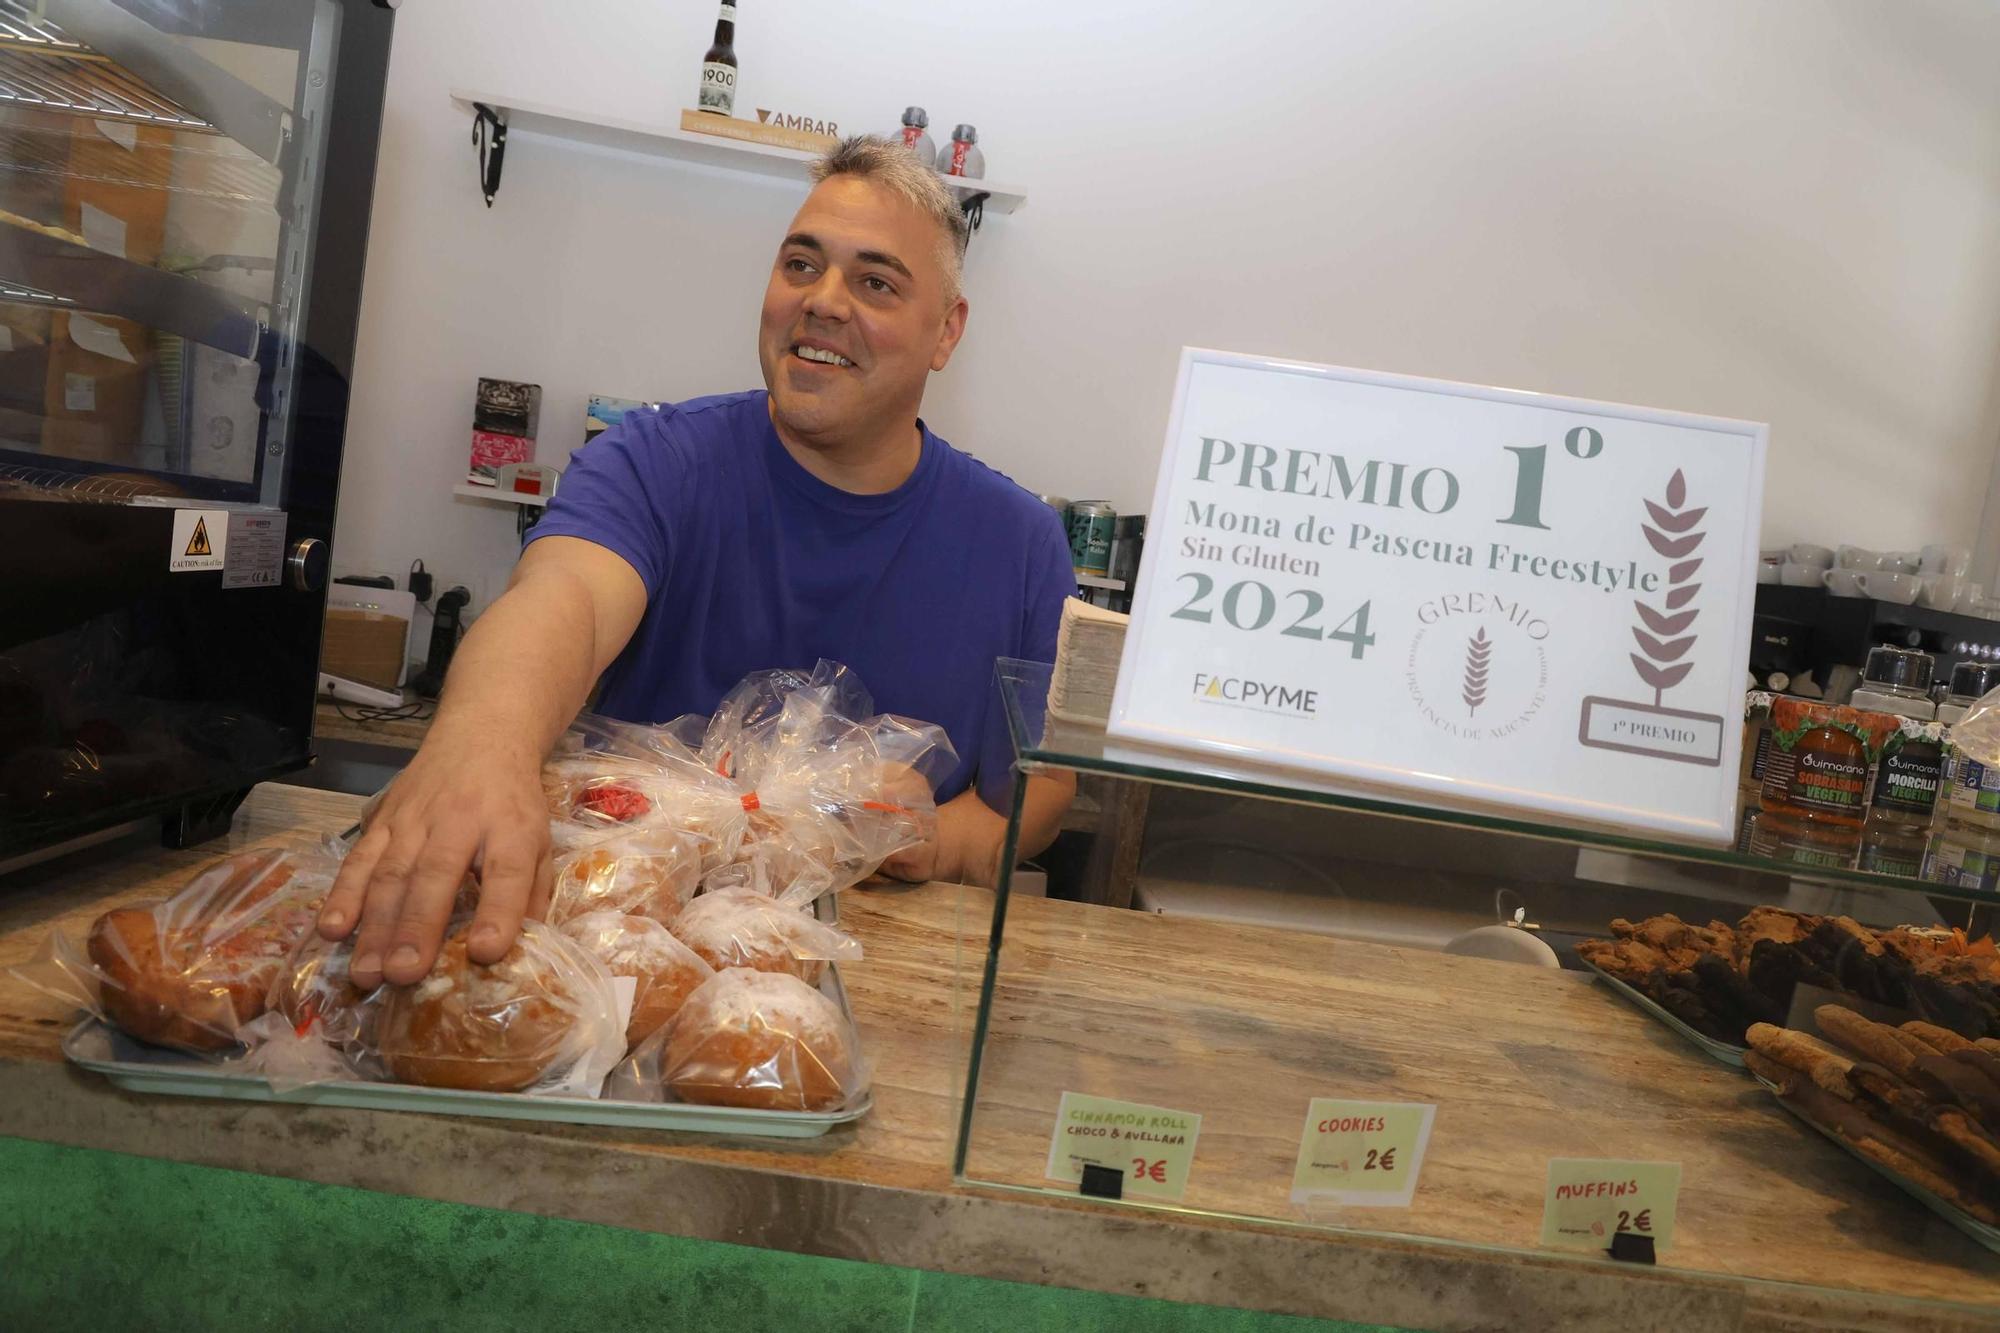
489	137
974	208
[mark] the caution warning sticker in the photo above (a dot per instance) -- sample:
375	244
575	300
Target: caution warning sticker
201	540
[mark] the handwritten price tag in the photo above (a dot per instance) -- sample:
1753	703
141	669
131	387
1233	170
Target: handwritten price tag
1591	1200
1366	1154
1152	1145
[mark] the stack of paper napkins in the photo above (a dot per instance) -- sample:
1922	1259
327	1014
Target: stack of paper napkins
1088	647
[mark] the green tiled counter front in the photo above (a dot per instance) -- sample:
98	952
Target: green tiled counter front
97	1240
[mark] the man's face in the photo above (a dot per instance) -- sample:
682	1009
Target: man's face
856	316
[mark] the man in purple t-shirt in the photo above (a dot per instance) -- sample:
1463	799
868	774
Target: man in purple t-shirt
712	538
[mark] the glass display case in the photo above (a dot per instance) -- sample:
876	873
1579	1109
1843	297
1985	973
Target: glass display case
1302	962
184	200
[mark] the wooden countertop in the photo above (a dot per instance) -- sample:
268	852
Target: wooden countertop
330	723
1239	1024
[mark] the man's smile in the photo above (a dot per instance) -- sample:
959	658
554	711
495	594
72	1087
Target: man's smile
820	354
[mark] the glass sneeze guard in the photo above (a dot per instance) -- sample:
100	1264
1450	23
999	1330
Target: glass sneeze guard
1242	1016
1925	864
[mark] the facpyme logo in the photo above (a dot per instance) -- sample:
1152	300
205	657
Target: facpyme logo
1264	696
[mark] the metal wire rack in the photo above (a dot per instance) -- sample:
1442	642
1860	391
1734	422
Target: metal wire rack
85	486
42	67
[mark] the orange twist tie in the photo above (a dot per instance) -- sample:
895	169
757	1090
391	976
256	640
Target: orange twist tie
311	1011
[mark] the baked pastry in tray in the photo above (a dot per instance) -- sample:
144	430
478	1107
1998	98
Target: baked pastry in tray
190	971
664	971
529	1020
1919	1102
763	1040
648	870
740	927
1721	979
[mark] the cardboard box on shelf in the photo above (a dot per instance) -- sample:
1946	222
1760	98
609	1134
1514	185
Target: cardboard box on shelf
365	646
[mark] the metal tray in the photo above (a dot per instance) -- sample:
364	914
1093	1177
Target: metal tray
1716	1050
132	1065
1986	1235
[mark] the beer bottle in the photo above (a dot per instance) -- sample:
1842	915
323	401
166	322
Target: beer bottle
718	67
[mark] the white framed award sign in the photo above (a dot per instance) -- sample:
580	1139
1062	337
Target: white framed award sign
1500	600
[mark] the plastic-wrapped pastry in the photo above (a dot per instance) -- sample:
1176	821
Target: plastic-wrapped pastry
597	790
830	784
648	870
190	971
314	995
664	970
765	1040
544	1018
740	927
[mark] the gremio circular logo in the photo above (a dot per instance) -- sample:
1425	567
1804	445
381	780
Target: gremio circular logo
1478	666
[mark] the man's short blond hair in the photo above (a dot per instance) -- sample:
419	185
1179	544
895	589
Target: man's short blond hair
893	166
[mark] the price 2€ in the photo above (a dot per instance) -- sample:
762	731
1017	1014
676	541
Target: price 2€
1250	605
1643	1222
1379	1161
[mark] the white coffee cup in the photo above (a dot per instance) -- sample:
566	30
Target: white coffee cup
1813	557
1768	571
1859	557
1954	560
1940	592
1886	586
1800	576
1842	582
1902	562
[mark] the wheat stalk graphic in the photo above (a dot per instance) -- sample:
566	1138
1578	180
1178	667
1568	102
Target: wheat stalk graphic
1673	534
1478	659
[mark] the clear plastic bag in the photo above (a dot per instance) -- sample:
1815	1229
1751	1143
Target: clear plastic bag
546	1018
602	789
664	970
313	996
319	1027
190	972
829	784
742	928
1977	734
764	1040
649	870
290	1058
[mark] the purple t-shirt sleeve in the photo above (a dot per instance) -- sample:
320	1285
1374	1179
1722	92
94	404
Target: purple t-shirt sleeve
612	495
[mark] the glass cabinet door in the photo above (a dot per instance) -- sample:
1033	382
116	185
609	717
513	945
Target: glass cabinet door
184	203
161	166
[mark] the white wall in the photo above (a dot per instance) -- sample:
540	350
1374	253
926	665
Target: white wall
1784	211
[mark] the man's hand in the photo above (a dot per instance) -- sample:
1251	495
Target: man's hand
972	836
472	798
965	849
461	805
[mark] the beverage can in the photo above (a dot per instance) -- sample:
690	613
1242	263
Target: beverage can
1091	524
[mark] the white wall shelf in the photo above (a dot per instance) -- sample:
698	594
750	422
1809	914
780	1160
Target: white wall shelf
498	496
668	141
